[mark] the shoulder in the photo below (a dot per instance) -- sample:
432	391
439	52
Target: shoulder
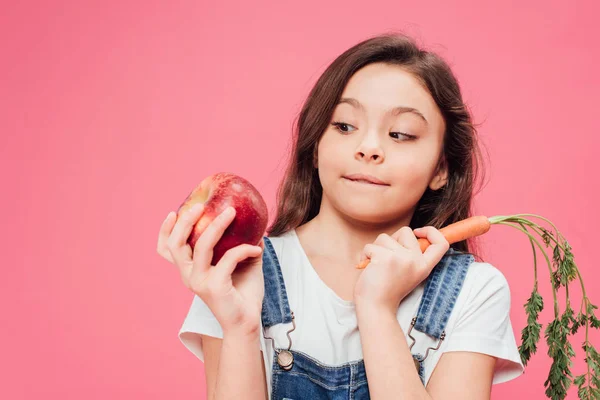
485	271
283	245
283	250
484	302
485	281
281	238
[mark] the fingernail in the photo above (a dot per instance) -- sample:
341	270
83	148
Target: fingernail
197	207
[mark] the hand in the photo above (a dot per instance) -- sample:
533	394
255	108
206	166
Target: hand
234	288
397	266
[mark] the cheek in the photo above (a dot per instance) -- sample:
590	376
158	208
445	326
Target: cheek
328	145
412	172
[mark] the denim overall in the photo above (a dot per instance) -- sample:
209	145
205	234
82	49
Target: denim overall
308	378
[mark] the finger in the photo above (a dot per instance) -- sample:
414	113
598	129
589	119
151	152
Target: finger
177	242
388	242
166	227
234	256
163	234
406	237
373	252
184	225
439	245
261	244
203	251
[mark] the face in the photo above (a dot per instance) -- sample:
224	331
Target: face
387	126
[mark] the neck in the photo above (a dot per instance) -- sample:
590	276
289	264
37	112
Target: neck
335	235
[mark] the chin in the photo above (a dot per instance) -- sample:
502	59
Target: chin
366	214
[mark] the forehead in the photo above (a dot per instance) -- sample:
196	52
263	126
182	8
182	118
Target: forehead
379	87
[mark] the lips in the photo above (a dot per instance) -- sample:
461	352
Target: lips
365	182
367	179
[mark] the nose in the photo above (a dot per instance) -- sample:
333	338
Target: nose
370	149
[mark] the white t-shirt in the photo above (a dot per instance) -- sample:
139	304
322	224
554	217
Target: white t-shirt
326	325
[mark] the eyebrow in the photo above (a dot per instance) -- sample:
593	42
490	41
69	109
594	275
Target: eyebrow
393	111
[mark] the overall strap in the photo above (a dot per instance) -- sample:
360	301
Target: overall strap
441	291
275	308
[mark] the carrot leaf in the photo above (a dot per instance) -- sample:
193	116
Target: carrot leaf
530	335
561	351
562	271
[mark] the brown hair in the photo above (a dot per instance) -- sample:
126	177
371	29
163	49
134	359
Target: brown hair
300	192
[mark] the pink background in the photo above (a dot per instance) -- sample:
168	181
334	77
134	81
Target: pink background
113	111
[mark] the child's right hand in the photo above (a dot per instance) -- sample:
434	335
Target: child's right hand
234	288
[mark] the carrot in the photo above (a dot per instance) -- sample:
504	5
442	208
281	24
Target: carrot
461	230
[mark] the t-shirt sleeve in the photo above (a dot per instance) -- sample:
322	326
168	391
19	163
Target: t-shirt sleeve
199	321
484	324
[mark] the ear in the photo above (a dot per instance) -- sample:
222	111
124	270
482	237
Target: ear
441	176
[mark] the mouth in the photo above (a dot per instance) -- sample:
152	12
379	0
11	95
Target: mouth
365	182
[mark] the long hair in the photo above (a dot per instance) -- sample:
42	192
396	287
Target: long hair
299	194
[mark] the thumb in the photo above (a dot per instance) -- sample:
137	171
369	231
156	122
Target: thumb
367	251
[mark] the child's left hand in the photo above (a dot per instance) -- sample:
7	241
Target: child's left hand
397	266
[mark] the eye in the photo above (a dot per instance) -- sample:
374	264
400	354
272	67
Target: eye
405	135
342	126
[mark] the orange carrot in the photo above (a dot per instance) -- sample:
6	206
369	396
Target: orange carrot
456	232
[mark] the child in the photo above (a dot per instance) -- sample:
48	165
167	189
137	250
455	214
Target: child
384	145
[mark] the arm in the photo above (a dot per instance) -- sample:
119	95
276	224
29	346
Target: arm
391	371
233	366
462	375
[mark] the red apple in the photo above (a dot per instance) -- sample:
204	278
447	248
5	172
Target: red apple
218	192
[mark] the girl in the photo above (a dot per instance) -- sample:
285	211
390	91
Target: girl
383	145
